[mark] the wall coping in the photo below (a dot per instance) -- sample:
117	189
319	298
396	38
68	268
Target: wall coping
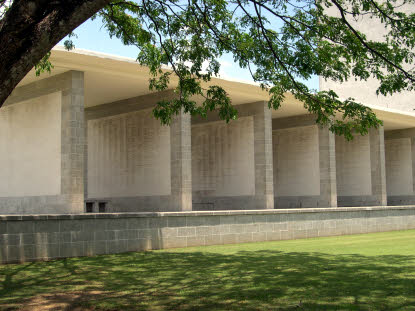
200	213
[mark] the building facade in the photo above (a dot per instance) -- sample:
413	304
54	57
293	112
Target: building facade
83	139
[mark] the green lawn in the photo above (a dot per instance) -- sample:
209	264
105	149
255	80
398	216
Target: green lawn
360	272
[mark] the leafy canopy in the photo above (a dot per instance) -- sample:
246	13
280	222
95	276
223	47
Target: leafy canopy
281	42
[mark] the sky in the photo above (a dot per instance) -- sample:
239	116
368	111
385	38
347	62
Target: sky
92	36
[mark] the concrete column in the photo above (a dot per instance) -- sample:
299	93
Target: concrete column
327	161
400	166
304	163
264	184
377	164
73	142
181	162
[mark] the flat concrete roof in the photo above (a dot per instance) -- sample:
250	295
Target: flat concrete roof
110	78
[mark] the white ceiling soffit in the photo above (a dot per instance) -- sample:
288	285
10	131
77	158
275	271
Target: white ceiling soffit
109	78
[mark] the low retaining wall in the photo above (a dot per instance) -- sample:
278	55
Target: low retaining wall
41	237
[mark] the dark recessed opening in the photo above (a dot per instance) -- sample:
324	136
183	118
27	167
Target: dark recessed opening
89	207
102	206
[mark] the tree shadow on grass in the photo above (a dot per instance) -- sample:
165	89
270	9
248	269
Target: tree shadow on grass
246	280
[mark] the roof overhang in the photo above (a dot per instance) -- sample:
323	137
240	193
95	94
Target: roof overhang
110	78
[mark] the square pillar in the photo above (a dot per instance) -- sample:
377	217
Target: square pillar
264	184
181	162
304	163
73	142
377	164
327	161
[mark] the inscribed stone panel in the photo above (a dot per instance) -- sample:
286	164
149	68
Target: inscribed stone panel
30	147
223	158
353	168
296	161
128	155
398	156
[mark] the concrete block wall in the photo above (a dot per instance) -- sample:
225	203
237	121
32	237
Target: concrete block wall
232	163
129	155
264	176
304	163
325	171
30	238
156	175
48	148
360	170
280	163
73	141
181	162
223	160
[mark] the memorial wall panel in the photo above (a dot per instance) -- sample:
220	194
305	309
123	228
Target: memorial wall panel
128	155
30	144
398	156
296	161
353	166
223	158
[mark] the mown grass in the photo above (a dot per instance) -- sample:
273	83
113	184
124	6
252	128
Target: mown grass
360	272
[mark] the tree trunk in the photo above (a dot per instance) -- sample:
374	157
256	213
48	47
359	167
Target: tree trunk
30	29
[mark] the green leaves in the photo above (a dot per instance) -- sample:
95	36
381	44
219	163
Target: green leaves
282	43
43	65
68	44
217	98
343	117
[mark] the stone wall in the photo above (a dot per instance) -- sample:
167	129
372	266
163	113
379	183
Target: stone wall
232	163
30	144
398	156
304	163
42	237
353	166
223	158
135	164
128	155
360	169
400	166
42	129
296	161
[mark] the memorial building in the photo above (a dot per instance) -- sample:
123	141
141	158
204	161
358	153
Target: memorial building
83	139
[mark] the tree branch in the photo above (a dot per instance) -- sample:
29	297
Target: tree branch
30	29
374	52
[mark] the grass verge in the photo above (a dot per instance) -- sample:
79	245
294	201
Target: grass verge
359	272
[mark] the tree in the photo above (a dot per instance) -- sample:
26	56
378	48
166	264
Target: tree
282	43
